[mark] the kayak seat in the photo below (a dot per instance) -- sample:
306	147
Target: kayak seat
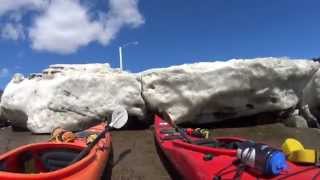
2	166
171	137
57	159
215	143
84	134
231	145
168	131
206	142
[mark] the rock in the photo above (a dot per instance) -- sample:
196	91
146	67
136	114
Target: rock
71	96
216	91
296	121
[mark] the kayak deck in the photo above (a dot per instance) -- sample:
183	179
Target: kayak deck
51	160
201	162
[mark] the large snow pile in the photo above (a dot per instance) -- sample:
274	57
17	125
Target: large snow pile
211	92
74	96
70	96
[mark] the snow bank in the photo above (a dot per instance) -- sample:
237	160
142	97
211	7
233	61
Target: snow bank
70	96
211	92
75	96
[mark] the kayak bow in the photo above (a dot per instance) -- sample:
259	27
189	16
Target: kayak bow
202	159
50	160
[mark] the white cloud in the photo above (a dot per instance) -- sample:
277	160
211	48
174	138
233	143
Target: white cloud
63	26
13	31
66	26
15	5
4	72
125	12
121	13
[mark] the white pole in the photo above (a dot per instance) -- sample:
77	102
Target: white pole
120	52
120	58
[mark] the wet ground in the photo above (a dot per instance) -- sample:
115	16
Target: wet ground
137	158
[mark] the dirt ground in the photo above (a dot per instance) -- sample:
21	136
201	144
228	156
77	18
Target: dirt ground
11	139
136	156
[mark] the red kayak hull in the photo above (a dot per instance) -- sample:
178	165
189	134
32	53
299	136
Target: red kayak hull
188	159
91	167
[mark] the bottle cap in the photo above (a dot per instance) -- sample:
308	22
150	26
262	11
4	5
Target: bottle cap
276	163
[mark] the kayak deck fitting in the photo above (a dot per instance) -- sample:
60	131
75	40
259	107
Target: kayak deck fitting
216	159
51	160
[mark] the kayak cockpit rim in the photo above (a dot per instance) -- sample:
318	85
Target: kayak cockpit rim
59	173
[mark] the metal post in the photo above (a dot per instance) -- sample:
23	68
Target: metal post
120	58
120	52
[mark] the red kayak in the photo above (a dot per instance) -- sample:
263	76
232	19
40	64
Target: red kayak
52	160
201	159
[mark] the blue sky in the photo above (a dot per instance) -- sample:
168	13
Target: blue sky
35	34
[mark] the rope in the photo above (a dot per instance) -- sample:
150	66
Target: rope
61	135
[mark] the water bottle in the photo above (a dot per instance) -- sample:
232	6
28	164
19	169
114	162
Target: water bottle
262	158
